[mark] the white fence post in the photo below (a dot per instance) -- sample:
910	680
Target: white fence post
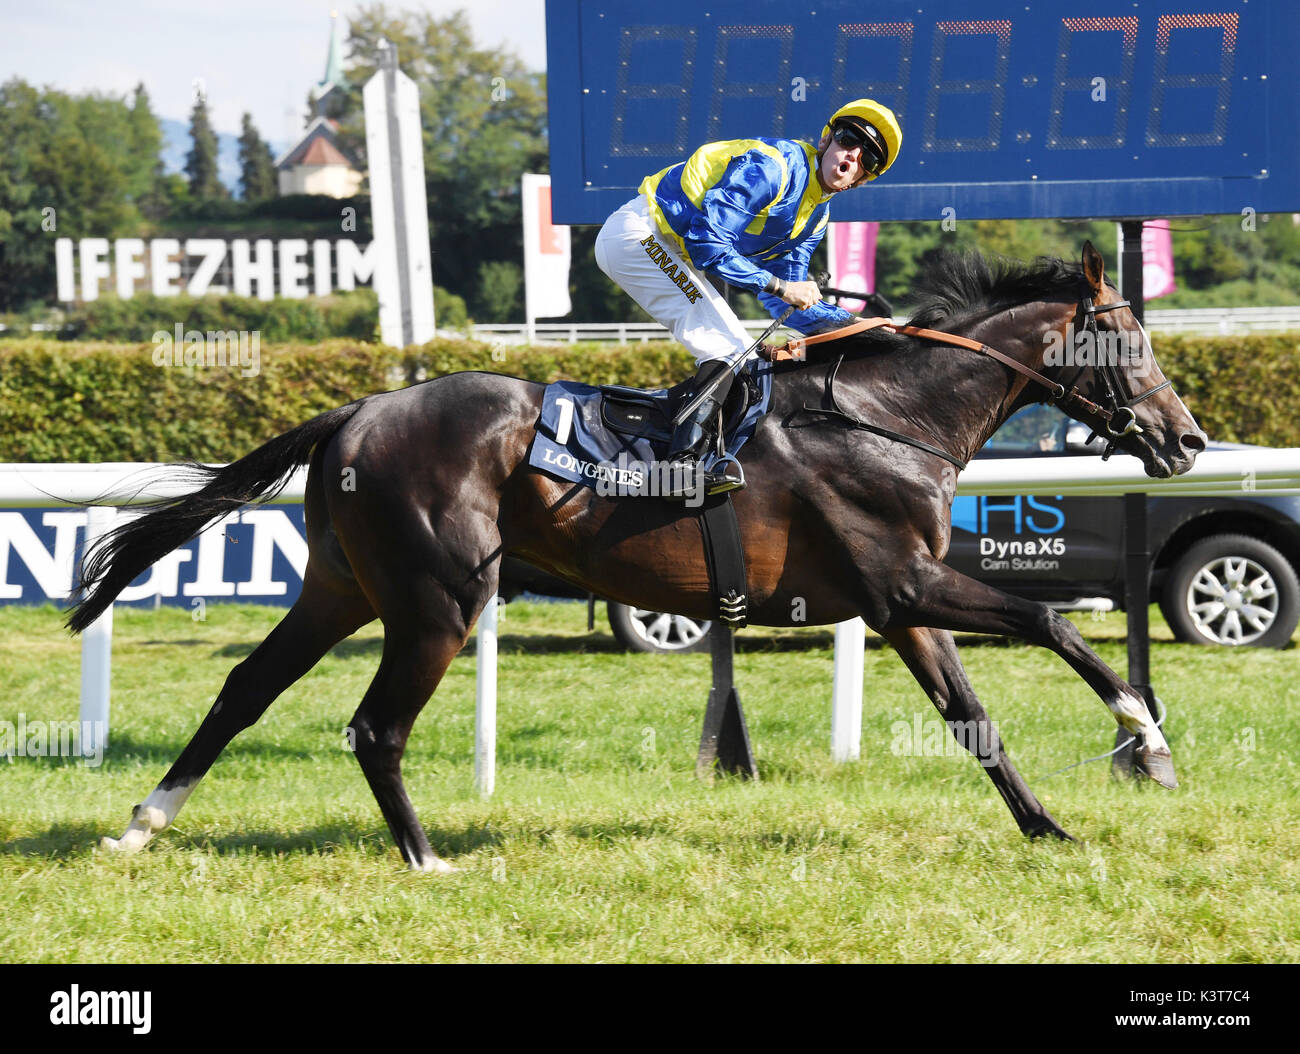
96	654
485	707
846	696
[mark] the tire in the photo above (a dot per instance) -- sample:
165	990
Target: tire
638	629
1232	590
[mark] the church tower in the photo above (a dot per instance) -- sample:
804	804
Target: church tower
316	164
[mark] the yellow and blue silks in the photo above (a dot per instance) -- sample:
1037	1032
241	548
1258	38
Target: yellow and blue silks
748	210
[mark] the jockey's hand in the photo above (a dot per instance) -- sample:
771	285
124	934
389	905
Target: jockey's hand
802	295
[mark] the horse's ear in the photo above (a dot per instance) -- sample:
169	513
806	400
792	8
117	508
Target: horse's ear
1094	268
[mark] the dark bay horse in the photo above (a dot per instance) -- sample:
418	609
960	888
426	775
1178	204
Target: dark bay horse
414	496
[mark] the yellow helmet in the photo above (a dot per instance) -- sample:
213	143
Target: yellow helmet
879	124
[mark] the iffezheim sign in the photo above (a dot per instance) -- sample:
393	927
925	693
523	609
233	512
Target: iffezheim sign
256	555
292	267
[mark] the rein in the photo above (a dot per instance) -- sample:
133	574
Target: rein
1071	400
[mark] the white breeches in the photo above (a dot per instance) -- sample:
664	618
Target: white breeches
649	268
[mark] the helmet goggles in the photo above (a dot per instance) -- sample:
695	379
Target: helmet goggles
852	133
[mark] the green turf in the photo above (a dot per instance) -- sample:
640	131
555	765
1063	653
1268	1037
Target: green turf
600	845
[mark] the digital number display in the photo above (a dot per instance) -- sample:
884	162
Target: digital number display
965	107
1008	107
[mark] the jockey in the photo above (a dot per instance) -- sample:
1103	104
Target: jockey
750	211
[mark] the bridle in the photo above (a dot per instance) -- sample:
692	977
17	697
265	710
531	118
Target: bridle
1117	418
1115	413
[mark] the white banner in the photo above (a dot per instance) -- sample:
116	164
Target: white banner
546	253
395	150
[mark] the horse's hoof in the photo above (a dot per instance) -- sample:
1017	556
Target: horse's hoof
433	866
146	821
1158	764
130	842
1049	828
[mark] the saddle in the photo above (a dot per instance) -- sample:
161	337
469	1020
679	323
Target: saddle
640	413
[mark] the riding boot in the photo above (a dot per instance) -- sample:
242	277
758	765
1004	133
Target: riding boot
691	436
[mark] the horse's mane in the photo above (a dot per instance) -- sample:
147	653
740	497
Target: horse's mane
957	286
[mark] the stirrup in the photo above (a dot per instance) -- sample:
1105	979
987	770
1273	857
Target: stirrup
721	481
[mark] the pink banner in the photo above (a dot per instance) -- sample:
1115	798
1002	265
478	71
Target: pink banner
852	248
1157	259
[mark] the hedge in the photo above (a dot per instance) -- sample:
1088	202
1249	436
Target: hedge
1241	389
88	402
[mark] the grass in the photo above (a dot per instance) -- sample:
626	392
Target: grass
600	845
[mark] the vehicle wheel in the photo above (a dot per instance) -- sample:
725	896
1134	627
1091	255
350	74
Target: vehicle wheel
1231	589
654	631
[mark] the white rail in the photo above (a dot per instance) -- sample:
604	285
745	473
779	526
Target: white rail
102	488
1208	320
572	332
1274	472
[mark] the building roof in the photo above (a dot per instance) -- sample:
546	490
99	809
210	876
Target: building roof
316	147
321	151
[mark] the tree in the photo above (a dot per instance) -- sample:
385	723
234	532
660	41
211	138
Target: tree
154	192
499	292
67	170
201	161
145	144
256	167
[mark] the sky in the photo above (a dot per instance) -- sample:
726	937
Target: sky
259	56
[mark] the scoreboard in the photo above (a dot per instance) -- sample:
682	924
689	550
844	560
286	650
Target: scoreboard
1009	108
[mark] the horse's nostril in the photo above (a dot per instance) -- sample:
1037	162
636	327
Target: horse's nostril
1193	442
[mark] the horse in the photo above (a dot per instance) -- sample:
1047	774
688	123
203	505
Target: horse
414	496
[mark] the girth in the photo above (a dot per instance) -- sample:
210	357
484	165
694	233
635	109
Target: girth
724	555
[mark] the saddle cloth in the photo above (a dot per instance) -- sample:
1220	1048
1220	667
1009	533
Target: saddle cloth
613	439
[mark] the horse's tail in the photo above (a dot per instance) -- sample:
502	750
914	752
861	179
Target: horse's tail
124	552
